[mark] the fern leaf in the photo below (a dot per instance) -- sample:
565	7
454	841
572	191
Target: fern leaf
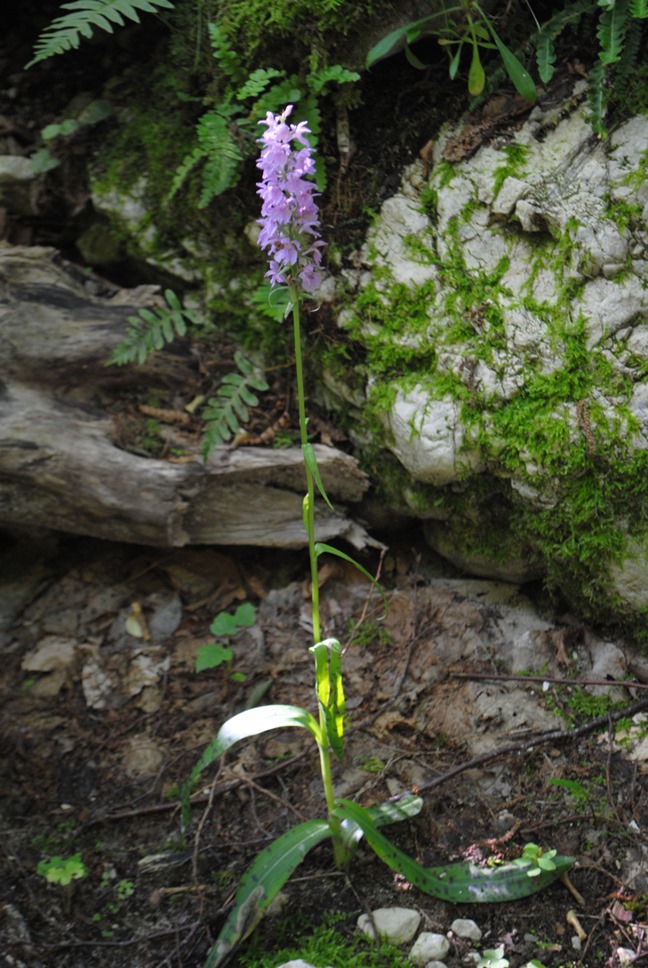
228	60
639	9
188	163
335	74
611	30
545	58
152	329
627	65
222	153
258	82
596	98
65	33
224	413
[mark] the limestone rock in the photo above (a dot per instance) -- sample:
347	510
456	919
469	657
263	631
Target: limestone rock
519	419
429	946
466	928
397	925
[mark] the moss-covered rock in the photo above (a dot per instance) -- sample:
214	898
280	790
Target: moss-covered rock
503	327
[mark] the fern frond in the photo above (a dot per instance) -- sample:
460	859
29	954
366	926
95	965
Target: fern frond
543	39
224	413
258	82
188	163
627	65
228	60
596	98
222	153
335	74
545	58
65	33
639	9
152	329
611	30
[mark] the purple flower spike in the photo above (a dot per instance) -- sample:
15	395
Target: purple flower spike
289	215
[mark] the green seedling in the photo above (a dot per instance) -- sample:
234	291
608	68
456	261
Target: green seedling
225	625
541	861
62	870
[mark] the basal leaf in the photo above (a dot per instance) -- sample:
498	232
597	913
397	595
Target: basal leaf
250	722
383	814
262	882
462	883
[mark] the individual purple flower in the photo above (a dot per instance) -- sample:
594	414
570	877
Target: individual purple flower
289	215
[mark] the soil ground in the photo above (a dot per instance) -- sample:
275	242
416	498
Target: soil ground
103	716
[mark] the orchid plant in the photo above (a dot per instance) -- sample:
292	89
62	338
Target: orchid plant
290	235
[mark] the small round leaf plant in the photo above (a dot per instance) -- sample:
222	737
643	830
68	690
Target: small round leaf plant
290	234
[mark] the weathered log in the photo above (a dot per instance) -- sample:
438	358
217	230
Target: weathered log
59	467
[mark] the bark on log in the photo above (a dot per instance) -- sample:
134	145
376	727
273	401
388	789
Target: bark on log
59	467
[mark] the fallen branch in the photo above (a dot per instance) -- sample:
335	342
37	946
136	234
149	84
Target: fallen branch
623	683
553	736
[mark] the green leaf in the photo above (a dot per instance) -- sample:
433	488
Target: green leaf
410	32
458	883
228	624
250	722
262	882
310	460
382	814
454	63
42	161
546	58
330	690
65	33
212	655
476	75
522	80
414	60
322	548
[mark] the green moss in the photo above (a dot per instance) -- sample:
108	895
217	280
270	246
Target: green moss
514	165
332	942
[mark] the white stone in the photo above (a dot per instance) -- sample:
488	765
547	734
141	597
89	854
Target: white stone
429	947
397	925
428	438
466	928
298	963
13	169
52	653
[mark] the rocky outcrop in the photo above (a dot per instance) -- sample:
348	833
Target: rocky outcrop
502	308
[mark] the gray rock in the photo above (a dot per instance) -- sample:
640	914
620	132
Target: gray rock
527	253
466	928
429	947
397	925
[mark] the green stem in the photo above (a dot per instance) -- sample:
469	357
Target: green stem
309	518
340	851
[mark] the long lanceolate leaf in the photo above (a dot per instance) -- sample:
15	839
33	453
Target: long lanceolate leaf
86	16
458	883
250	722
262	882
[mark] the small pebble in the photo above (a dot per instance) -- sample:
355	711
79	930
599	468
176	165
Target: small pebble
466	928
429	947
397	925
